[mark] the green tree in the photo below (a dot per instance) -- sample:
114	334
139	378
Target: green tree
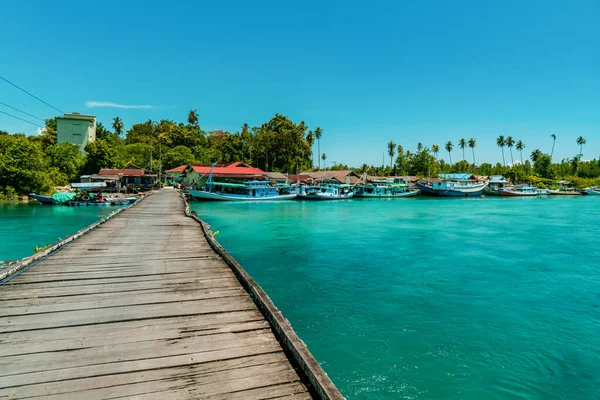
472	144
117	125
324	157
177	156
501	142
462	143
575	161
318	134
310	140
435	149
100	155
521	146
581	141
24	167
67	158
192	117
449	146
535	154
510	142
391	146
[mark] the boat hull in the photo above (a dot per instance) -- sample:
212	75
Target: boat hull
411	193
472	192
593	192
47	200
323	196
212	196
559	193
516	194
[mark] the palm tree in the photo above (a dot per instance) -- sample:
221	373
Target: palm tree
449	146
581	141
118	126
501	142
310	139
521	146
575	164
436	149
419	146
245	136
400	150
318	134
193	117
510	142
553	136
462	143
324	157
472	144
535	154
391	151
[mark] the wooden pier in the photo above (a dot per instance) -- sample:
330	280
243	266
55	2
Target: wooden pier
143	307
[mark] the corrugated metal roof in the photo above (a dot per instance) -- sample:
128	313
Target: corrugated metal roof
236	168
123	172
457	176
498	179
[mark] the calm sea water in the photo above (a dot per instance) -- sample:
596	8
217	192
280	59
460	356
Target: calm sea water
433	298
23	226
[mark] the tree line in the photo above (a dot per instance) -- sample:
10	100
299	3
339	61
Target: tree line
38	163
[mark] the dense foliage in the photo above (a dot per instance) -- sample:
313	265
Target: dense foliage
38	163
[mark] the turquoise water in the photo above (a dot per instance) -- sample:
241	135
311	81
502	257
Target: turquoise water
433	298
23	226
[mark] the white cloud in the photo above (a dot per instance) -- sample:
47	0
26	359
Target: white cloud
41	131
95	104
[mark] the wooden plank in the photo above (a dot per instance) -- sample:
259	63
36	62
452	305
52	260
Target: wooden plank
139	307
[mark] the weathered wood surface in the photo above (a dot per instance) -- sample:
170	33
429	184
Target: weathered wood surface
140	307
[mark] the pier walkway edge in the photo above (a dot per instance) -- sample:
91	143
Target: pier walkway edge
148	305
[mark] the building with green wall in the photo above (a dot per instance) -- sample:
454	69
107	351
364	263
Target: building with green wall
78	129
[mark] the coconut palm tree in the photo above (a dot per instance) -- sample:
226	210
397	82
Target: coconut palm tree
436	149
318	134
462	143
324	157
581	141
400	150
472	144
510	142
192	117
310	140
501	142
521	146
575	164
391	151
535	154
449	146
553	136
118	126
419	146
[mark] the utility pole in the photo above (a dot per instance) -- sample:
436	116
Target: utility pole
160	165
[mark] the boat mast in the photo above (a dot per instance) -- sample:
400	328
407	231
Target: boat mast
210	180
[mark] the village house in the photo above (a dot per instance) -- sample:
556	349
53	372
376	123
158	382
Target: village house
130	179
174	174
197	175
346	176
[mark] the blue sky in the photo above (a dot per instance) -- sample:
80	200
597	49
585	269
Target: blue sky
366	72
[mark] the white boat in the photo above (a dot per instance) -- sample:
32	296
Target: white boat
453	185
518	191
385	188
248	191
326	191
593	191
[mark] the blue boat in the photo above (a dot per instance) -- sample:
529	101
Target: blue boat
453	185
47	200
247	191
326	191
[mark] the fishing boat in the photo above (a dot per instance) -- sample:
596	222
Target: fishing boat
47	200
593	191
326	191
518	191
565	192
453	185
385	188
247	191
543	192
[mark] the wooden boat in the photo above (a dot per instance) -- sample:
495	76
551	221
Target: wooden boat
47	200
248	191
385	189
564	193
519	191
326	191
452	188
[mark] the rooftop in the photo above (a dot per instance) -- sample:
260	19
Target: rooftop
78	116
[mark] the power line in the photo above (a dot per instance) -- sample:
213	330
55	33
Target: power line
24	120
35	97
21	111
